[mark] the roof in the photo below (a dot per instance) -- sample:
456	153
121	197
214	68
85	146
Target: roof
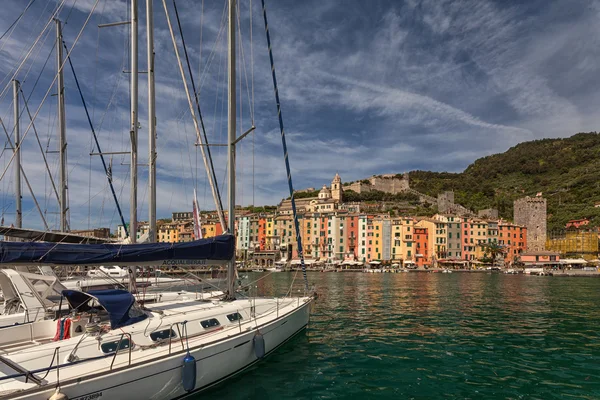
117	304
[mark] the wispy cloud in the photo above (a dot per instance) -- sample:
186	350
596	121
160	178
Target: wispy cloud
365	89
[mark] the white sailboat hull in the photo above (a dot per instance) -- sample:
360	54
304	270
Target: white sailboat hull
162	378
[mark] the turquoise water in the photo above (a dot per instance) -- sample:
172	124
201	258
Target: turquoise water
430	336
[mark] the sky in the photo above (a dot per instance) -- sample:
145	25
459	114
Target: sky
366	88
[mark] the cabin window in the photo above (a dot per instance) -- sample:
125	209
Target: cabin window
234	317
210	323
162	335
110	347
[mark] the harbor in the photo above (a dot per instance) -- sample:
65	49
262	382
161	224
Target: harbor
299	200
420	335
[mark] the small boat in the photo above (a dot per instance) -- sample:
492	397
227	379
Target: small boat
258	270
446	271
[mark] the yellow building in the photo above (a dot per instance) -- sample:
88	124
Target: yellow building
478	236
269	233
402	239
209	229
437	237
376	239
168	233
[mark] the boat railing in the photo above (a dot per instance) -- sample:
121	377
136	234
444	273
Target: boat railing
176	324
128	335
31	374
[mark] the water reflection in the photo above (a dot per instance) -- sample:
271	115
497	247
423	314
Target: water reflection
423	335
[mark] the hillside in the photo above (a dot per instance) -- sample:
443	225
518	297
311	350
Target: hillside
566	171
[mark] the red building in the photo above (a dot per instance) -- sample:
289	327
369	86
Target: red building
577	223
351	237
262	233
420	239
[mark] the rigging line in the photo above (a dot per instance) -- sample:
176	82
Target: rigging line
31	65
108	175
18	19
251	70
243	62
285	151
40	145
195	121
25	178
22	39
213	52
240	61
208	152
201	31
252	101
7	85
50	87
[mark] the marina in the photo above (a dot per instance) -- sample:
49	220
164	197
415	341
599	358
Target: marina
400	234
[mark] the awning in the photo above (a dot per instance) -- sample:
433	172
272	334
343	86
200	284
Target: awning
306	262
117	304
395	265
375	262
573	261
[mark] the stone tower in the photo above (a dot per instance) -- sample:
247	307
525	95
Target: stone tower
337	193
531	213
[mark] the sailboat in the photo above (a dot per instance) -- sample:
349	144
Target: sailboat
109	346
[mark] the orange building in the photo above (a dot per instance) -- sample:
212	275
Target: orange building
514	240
421	238
262	233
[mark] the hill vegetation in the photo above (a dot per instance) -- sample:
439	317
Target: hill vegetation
566	171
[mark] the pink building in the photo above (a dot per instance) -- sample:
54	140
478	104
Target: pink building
540	259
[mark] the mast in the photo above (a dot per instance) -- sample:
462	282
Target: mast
62	137
151	125
231	114
133	133
17	150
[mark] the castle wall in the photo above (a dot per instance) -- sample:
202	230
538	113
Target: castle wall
389	185
531	212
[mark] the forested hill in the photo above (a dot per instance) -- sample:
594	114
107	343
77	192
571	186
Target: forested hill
566	171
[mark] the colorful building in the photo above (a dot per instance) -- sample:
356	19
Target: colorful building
422	243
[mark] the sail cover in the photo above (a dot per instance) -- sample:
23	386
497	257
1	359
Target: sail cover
216	250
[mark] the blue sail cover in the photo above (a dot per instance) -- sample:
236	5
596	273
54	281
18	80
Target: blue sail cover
216	250
117	304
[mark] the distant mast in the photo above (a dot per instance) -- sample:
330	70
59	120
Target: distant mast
151	126
231	122
17	151
133	133
196	216
62	136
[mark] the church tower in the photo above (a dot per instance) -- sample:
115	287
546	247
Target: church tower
337	193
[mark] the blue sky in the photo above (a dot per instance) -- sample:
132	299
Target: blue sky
366	88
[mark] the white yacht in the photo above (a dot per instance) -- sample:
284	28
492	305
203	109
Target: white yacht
114	349
110	347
